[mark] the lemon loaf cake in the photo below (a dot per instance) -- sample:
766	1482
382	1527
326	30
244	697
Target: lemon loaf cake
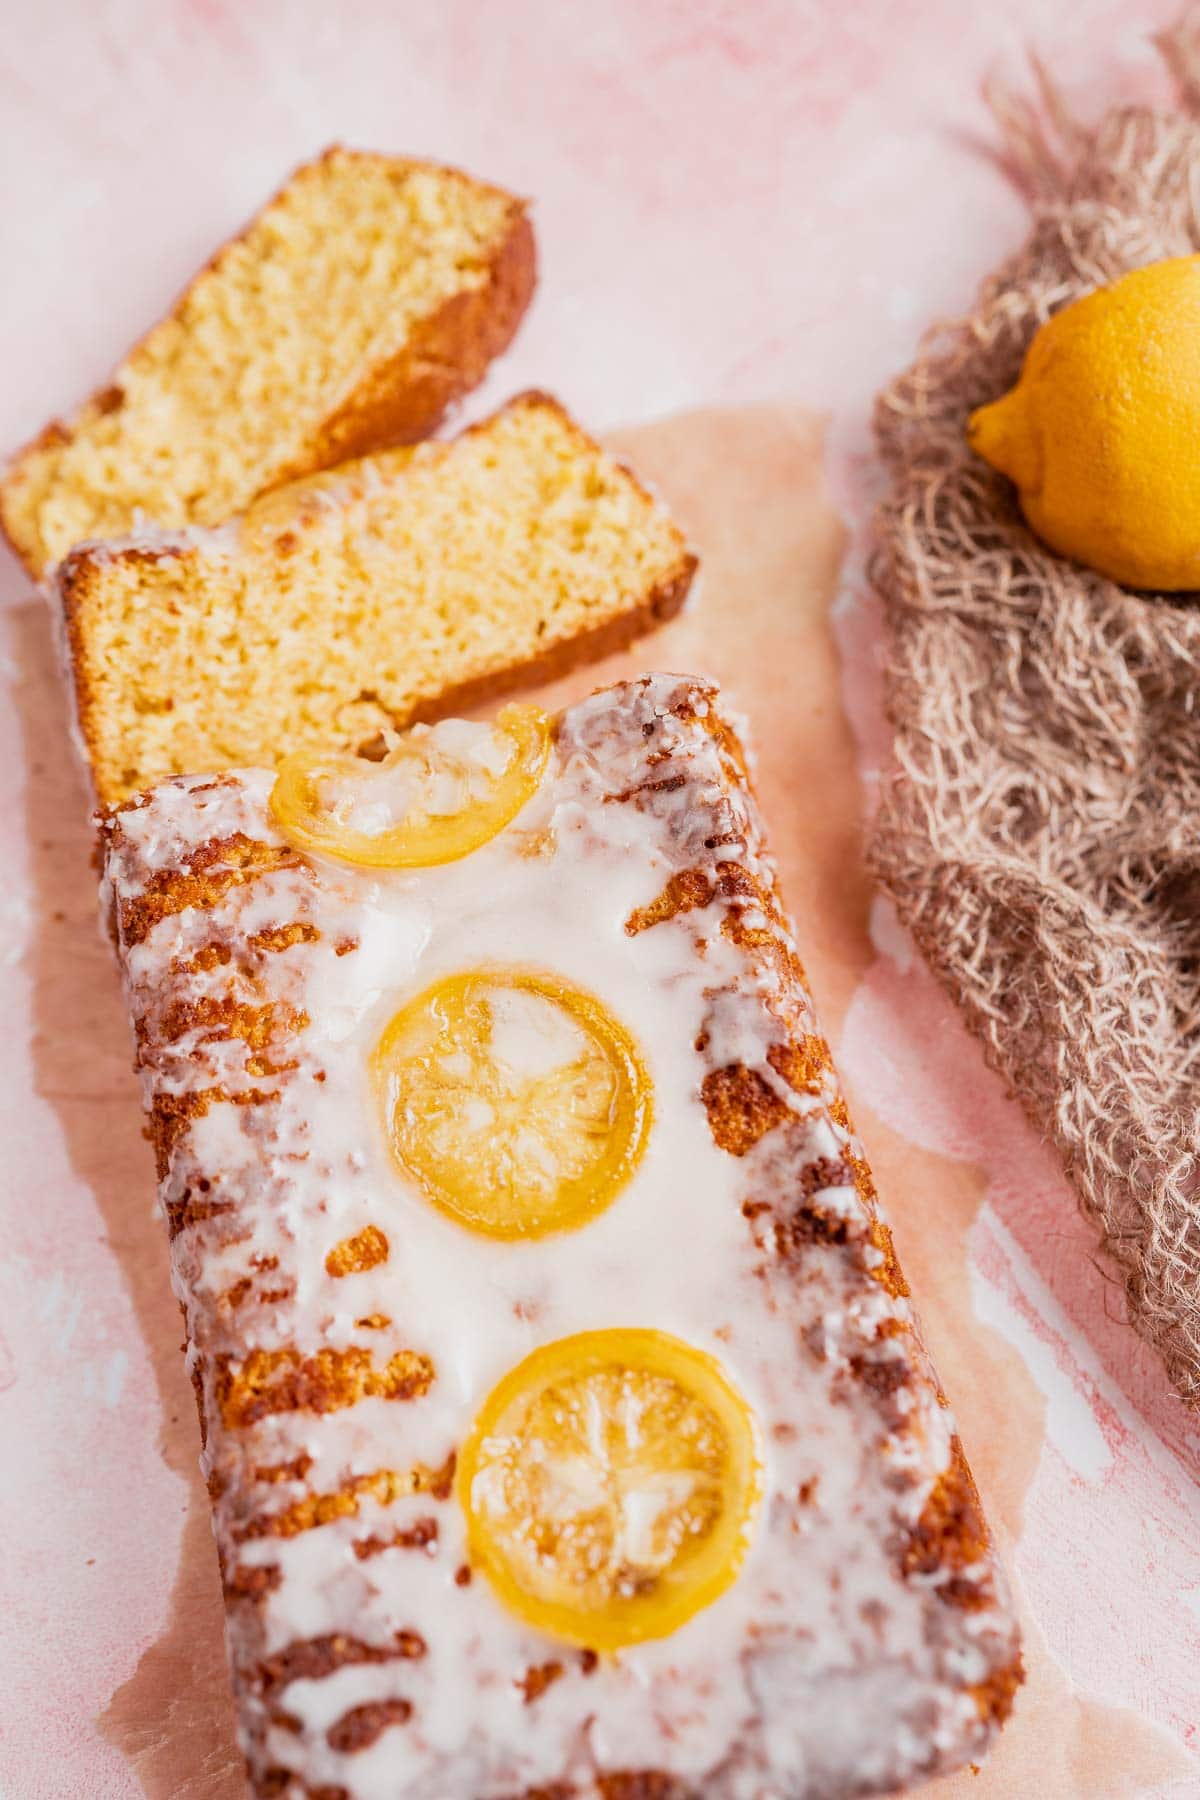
396	588
566	1420
367	296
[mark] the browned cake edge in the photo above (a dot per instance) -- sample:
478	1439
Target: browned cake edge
406	398
397	402
75	584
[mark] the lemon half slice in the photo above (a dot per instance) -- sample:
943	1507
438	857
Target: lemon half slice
610	1485
515	1100
443	792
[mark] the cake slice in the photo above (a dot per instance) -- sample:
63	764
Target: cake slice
396	588
366	296
569	1430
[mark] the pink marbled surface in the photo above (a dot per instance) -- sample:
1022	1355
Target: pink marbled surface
754	201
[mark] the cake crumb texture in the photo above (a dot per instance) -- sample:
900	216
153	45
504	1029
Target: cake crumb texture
400	587
368	295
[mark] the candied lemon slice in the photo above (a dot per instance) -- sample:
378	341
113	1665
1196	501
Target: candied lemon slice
516	1100
445	790
610	1485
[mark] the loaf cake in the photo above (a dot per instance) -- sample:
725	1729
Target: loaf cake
366	296
567	1425
397	588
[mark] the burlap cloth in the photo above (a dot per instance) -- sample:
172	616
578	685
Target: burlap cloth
1040	833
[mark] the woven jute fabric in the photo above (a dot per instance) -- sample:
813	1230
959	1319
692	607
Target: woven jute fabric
1040	830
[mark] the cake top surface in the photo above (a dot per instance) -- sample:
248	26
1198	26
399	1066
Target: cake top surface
866	1637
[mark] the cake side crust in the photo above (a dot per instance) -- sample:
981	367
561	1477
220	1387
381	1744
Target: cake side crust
406	398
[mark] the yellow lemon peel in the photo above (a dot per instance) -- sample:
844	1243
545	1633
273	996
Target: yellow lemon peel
451	803
1099	434
515	1100
610	1485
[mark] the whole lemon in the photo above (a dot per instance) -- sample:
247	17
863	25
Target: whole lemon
1102	432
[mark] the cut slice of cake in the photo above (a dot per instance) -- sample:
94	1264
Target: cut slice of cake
368	295
400	587
568	1425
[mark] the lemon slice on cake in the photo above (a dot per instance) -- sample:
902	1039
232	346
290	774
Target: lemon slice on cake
515	1100
610	1485
441	793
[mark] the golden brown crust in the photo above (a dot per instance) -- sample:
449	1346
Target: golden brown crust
170	1118
354	1254
282	937
275	1381
73	577
619	1784
995	1696
385	1486
418	1536
257	1025
741	1107
661	604
684	892
250	1582
538	1677
210	871
310	1659
951	1532
362	1725
642	1784
406	398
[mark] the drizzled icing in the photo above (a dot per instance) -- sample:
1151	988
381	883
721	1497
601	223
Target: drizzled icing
860	1642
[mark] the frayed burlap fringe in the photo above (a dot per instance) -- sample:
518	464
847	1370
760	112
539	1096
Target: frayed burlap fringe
1040	833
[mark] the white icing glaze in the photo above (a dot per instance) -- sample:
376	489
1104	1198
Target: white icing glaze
823	1670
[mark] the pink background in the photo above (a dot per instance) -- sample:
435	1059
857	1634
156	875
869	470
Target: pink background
739	202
